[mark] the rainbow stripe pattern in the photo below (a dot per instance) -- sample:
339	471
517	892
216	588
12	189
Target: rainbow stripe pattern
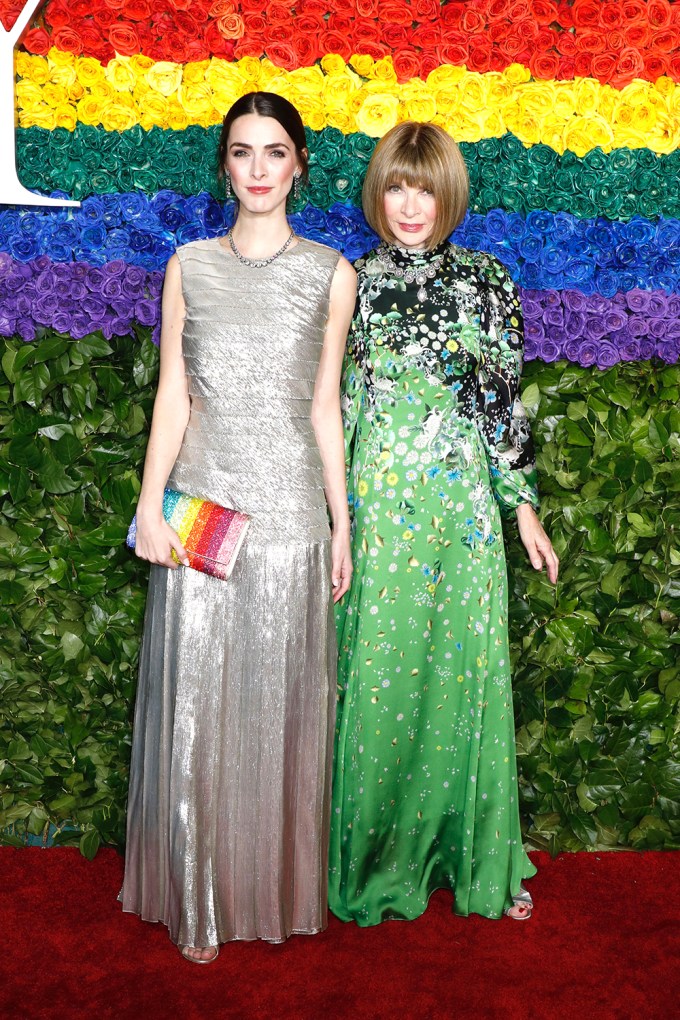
211	534
568	116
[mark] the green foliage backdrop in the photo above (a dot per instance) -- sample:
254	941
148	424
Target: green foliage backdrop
597	671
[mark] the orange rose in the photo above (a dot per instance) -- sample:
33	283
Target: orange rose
36	40
628	66
67	39
337	42
544	65
602	66
406	64
124	39
659	13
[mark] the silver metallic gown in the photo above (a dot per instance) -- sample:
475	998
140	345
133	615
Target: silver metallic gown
228	806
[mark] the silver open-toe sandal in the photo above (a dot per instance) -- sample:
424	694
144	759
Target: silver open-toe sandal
522	905
194	959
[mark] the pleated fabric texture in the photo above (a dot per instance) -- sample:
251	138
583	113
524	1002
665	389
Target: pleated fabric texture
228	807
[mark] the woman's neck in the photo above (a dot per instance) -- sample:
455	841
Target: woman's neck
257	237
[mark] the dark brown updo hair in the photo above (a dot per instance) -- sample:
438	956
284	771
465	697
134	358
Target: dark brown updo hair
265	104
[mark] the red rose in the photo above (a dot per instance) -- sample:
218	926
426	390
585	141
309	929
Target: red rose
256	25
566	44
602	66
544	66
659	13
137	10
452	14
586	13
637	35
479	58
185	23
674	66
452	53
367	8
583	65
369	47
307	49
590	42
397	37
94	42
282	54
633	11
567	71
519	9
344	7
425	10
124	39
546	39
308	25
656	65
406	64
472	22
497	61
514	41
36	40
428	63
280	14
628	66
427	36
115	5
67	39
172	46
217	45
615	41
252	7
364	31
454	37
611	16
80	8
340	24
395	12
496	9
565	16
249	46
337	42
316	7
179	5
665	41
57	16
104	17
545	12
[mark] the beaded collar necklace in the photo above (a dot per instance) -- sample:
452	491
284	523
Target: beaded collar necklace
258	263
412	266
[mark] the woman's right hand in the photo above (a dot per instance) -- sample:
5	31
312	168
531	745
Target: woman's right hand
156	541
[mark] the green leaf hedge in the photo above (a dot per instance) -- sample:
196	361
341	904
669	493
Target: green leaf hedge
597	670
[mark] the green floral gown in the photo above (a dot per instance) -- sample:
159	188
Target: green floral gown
425	785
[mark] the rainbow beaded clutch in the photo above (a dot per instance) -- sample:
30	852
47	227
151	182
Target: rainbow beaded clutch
211	534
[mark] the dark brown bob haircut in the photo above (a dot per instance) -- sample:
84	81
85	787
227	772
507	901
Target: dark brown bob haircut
266	104
420	156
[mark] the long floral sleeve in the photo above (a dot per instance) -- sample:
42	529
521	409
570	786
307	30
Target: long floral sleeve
501	416
352	393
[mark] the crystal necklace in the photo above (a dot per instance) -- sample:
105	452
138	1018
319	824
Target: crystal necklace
258	263
411	274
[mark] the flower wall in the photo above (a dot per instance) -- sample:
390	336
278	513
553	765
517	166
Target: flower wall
568	115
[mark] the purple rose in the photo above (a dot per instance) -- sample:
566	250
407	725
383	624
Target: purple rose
615	319
657	303
147	312
531	308
587	353
595	326
533	331
575	324
63	320
658	328
607	355
554	316
638	300
637	325
548	350
630	350
668	351
574	300
571	348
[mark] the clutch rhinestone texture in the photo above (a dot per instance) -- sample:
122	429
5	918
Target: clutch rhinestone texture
211	534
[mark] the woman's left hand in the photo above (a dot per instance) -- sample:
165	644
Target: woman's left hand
536	542
341	564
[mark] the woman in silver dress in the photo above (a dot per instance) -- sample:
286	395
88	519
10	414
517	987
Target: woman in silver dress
228	809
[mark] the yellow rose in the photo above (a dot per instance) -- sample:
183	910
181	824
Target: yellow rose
523	124
585	96
417	101
102	90
120	74
153	110
140	64
665	86
177	118
383	70
119	114
54	94
447	76
363	65
581	134
250	68
60	58
332	64
65	116
164	77
28	95
447	101
88	71
35	68
41	116
195	71
196	101
473	94
517	74
339	118
75	92
377	113
552	129
89	110
63	73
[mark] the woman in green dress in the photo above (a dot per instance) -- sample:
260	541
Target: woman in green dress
438	446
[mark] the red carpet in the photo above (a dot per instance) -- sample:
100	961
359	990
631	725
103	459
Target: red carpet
604	942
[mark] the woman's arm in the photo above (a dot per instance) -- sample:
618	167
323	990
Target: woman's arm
155	538
327	421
